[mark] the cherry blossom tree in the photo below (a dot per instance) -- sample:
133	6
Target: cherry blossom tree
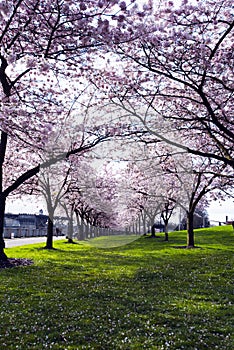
196	181
149	189
166	215
92	197
137	187
176	73
53	186
169	180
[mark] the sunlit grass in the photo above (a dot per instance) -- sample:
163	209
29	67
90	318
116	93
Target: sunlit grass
112	241
111	293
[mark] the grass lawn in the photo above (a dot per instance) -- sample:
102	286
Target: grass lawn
108	295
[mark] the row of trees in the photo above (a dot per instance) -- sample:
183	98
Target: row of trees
150	184
76	74
175	79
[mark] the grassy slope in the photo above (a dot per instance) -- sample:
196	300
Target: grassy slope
146	294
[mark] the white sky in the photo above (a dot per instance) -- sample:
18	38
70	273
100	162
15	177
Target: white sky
26	206
219	210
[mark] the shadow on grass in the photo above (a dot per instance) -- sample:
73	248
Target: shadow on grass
186	247
13	262
49	249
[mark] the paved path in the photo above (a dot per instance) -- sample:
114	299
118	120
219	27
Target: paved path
30	240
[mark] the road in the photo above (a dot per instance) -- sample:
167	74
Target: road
15	242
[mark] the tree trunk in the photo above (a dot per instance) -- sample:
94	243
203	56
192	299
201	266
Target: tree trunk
166	230
153	231
144	225
190	232
77	224
3	145
3	256
50	229
70	230
89	232
81	233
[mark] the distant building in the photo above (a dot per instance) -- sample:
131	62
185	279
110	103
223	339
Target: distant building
31	225
32	221
24	225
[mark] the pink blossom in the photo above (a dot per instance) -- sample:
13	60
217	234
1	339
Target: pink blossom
122	5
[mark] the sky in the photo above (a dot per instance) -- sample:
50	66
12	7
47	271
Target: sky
219	210
25	206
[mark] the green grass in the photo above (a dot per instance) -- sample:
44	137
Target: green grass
113	241
102	294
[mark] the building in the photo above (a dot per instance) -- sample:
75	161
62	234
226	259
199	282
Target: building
25	225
